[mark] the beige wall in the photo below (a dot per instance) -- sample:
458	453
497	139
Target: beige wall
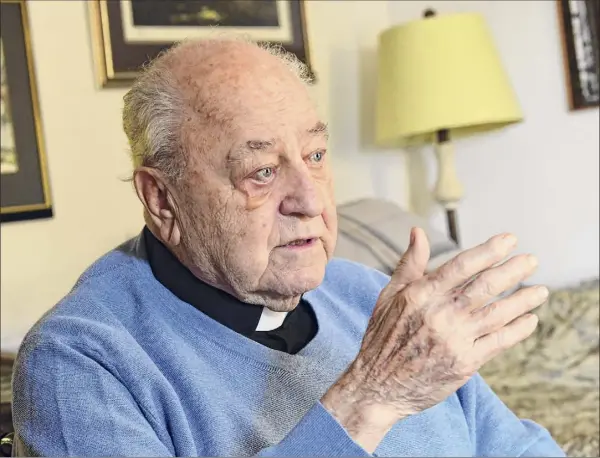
94	210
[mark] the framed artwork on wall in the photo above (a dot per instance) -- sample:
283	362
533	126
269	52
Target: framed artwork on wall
129	33
579	21
25	192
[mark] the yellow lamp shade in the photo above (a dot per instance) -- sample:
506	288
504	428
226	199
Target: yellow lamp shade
441	72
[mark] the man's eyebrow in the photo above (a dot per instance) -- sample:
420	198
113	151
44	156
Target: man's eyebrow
319	128
259	144
250	146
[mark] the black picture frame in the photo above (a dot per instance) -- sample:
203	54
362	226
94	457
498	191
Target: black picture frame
579	22
118	61
25	191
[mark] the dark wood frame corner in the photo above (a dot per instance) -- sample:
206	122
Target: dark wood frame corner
569	59
30	123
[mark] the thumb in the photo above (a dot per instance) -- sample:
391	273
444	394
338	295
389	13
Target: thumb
413	263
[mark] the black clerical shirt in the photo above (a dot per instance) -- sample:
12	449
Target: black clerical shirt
298	328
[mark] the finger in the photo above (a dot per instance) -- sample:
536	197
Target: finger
413	263
496	280
495	316
471	262
490	345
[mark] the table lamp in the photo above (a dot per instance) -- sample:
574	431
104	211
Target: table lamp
439	78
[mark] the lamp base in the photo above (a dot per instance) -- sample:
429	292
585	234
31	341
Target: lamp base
448	189
451	218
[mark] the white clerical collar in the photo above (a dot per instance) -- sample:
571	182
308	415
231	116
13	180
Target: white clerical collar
270	320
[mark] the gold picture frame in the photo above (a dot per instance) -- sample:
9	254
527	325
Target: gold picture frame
122	47
25	188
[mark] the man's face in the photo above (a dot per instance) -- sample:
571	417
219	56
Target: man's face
259	216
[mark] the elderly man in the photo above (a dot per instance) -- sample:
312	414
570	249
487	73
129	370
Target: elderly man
226	328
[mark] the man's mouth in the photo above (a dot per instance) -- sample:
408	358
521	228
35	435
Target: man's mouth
301	243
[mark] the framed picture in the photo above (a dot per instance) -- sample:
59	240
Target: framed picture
579	21
23	176
129	33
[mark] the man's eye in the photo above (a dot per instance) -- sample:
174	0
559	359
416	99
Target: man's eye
317	156
264	175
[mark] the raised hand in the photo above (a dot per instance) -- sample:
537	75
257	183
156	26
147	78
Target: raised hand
429	333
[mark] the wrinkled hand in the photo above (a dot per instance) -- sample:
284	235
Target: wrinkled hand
429	333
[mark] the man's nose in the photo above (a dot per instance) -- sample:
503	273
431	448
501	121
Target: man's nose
303	197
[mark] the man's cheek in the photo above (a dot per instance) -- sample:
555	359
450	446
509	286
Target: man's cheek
255	202
330	220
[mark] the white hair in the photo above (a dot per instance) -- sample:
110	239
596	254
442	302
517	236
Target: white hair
154	109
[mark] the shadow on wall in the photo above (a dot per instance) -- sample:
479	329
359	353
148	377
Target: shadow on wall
351	110
419	195
354	170
367	82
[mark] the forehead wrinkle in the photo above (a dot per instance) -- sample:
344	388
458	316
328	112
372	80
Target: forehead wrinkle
215	106
215	77
219	82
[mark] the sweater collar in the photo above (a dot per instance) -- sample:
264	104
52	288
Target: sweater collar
217	304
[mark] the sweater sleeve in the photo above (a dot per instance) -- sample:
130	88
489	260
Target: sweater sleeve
497	431
317	434
65	403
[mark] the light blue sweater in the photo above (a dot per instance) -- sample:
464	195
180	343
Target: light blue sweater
123	367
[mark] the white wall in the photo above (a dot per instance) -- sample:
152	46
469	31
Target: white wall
538	179
94	211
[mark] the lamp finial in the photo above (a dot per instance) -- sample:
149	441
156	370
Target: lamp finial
429	12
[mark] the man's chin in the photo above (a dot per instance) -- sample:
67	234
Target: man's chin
294	276
283	292
303	280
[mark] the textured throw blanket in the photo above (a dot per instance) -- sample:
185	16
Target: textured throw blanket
553	377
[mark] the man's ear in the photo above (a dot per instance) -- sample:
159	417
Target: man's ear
152	190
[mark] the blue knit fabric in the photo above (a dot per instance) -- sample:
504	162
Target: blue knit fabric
122	367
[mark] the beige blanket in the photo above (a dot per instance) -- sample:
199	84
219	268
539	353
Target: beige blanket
553	377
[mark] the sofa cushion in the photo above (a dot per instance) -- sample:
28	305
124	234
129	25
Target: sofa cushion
376	233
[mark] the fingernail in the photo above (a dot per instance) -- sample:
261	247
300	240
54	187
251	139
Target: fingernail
412	236
510	239
542	292
533	261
